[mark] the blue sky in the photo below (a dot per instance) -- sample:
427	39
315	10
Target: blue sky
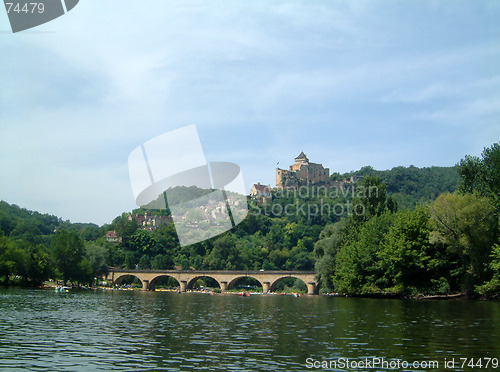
350	83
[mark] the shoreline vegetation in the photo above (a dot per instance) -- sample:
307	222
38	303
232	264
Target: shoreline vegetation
246	292
423	233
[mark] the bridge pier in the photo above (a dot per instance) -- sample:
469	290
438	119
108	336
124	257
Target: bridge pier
312	288
183	285
223	286
266	286
145	285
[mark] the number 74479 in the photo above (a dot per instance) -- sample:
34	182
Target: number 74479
26	8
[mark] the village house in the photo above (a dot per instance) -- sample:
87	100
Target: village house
113	237
148	221
261	193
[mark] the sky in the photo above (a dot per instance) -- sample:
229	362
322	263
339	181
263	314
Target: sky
350	83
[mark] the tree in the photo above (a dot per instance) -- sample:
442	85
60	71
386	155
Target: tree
468	226
97	256
405	252
357	264
482	175
470	169
11	259
144	263
492	286
143	242
67	252
162	262
130	260
491	171
326	249
85	274
124	227
90	232
225	254
37	265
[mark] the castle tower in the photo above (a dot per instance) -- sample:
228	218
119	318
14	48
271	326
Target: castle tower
302	172
301	159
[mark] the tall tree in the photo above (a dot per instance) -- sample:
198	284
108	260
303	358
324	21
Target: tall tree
97	257
406	251
67	250
468	226
482	175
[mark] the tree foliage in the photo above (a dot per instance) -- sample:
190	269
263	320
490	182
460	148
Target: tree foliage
482	175
447	246
67	250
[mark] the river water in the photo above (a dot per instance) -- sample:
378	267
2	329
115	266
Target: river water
41	330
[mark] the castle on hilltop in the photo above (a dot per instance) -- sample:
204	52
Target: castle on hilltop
301	173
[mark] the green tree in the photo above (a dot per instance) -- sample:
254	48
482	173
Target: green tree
143	242
125	228
405	252
97	256
357	264
482	175
67	251
130	260
11	259
37	265
225	255
491	288
468	226
162	262
85	272
144	262
325	251
278	258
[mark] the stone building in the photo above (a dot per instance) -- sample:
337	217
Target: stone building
148	221
113	237
261	193
303	172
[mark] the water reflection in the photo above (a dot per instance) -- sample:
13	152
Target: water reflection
115	330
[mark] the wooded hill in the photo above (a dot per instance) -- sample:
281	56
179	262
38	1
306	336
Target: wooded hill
292	232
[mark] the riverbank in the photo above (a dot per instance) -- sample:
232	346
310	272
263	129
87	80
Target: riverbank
217	291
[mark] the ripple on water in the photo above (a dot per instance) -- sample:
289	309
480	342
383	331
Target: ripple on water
105	330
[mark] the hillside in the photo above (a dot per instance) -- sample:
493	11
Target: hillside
411	186
275	236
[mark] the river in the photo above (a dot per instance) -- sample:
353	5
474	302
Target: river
41	330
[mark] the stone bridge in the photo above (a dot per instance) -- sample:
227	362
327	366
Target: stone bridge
226	279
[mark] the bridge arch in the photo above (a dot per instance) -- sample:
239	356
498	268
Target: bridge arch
223	278
274	284
122	277
189	284
232	283
156	279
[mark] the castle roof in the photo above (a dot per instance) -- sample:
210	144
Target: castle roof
301	155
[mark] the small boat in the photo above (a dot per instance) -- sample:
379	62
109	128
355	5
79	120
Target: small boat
63	289
244	294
